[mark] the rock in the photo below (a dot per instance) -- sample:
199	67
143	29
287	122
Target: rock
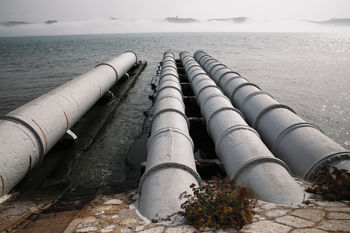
335	225
294	221
276	213
108	229
338	209
265	227
154	230
308	230
182	229
338	215
87	229
129	221
113	202
314	215
139	228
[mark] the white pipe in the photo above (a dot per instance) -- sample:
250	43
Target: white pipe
30	131
301	145
243	154
170	168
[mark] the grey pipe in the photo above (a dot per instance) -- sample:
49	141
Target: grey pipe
244	155
30	131
170	168
302	145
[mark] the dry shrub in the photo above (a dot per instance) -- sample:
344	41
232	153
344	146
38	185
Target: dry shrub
332	183
219	203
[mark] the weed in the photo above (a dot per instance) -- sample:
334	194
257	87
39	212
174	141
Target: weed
219	203
332	183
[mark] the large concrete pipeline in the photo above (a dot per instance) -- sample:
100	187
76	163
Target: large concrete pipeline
170	168
243	154
30	131
301	145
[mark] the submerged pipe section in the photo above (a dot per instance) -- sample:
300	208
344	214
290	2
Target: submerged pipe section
170	168
243	154
30	131
301	145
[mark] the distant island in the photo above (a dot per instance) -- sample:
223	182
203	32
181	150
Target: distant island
234	19
51	21
334	21
113	18
13	23
180	20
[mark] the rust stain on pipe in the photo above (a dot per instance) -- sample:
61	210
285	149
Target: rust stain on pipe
42	131
3	186
67	120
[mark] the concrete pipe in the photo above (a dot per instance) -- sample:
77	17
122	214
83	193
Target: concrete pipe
30	131
170	168
244	155
302	145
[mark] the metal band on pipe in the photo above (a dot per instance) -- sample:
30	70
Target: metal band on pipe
106	64
242	85
269	108
129	51
170	96
31	129
230	72
210	59
310	175
196	75
218	64
289	129
248	97
230	79
168	74
169	165
253	161
172	110
165	87
232	129
220	110
205	87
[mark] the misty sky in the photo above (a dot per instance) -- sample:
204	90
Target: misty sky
41	10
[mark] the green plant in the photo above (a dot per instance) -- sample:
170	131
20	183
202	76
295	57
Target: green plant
219	203
332	183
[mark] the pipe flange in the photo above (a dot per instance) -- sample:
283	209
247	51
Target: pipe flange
201	73
169	96
313	171
220	110
129	51
271	107
242	85
253	161
165	87
213	96
232	129
230	72
169	129
289	129
231	79
205	87
169	165
251	95
169	74
218	64
173	110
202	57
210	59
185	62
107	64
197	52
31	129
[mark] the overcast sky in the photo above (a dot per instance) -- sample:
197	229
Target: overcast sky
94	16
39	10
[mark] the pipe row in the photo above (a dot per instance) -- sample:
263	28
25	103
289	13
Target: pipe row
170	168
30	131
243	154
301	145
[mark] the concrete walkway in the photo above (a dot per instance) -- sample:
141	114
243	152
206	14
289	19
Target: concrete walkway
116	213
